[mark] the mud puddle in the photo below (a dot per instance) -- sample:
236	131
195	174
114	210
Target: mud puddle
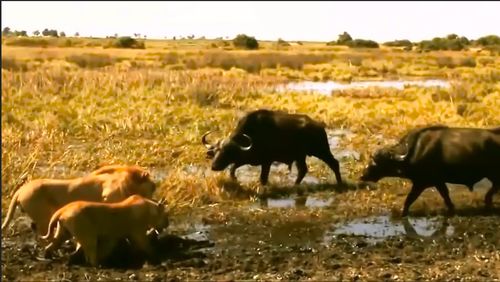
328	87
378	228
308	201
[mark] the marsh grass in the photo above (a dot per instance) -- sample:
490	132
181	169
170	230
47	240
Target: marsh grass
65	110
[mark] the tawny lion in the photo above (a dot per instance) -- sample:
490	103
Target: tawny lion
113	183
90	222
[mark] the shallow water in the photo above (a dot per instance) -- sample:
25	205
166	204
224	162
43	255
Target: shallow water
378	228
310	202
326	88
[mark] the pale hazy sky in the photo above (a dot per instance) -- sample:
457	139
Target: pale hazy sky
322	21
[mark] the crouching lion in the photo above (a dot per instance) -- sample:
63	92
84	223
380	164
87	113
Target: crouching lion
107	223
40	198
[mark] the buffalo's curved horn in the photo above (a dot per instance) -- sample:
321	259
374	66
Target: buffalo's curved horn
204	140
401	157
249	146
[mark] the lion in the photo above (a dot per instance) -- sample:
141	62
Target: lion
40	198
107	223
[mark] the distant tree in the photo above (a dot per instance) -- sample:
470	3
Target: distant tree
399	43
116	35
450	42
77	34
362	43
174	38
6	31
36	33
488	40
282	42
145	36
62	34
128	42
45	32
20	33
344	38
53	33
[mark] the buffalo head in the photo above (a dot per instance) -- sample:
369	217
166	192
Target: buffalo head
225	152
386	162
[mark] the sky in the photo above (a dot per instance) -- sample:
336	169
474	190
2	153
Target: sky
270	20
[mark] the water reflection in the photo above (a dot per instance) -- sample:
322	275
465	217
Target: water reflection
305	201
327	87
379	228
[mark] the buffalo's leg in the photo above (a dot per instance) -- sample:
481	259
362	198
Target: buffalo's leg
488	199
334	165
301	169
443	190
416	190
264	173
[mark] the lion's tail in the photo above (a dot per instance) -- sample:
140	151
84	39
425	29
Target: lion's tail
54	220
12	208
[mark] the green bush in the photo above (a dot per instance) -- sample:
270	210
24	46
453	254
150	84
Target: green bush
399	43
488	40
362	43
246	42
451	42
128	42
346	39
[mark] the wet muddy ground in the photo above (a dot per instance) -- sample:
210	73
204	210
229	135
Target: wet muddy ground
299	237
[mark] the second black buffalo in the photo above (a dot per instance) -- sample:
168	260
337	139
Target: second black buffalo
436	155
264	136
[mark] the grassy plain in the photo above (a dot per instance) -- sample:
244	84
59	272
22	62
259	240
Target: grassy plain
67	109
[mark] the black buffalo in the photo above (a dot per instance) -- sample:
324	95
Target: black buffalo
436	155
263	137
